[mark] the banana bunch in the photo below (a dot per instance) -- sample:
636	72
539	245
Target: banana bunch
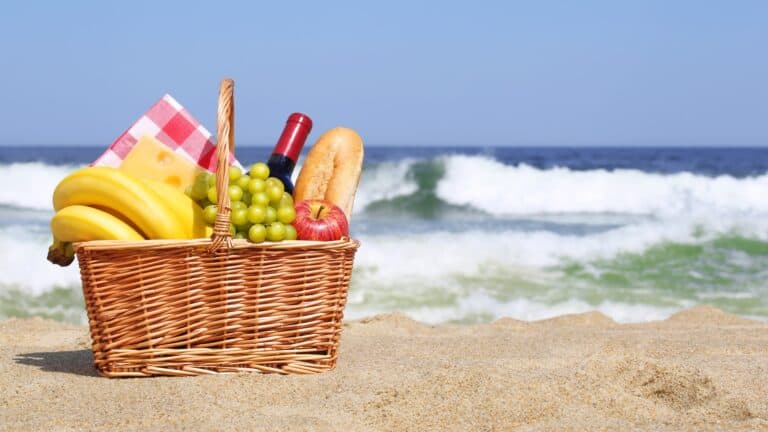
101	203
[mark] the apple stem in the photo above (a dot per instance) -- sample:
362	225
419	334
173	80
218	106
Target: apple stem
320	210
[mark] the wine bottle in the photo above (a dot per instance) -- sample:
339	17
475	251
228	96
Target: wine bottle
288	148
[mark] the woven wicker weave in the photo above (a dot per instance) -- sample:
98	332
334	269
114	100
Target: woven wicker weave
190	307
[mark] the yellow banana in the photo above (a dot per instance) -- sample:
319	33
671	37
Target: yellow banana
82	223
124	195
188	213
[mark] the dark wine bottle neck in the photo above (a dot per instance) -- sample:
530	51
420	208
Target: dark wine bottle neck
288	148
282	163
281	166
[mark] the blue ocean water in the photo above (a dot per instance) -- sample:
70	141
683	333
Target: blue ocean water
468	234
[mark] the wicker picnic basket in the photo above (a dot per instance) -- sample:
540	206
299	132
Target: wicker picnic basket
208	306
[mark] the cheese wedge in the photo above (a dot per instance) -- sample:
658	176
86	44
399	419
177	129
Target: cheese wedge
150	159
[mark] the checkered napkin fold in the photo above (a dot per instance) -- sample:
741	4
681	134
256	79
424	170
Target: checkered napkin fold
171	124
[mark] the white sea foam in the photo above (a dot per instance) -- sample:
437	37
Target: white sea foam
442	253
481	305
391	266
421	274
383	182
524	190
23	261
442	276
30	184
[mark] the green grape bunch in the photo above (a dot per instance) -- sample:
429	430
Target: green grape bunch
261	209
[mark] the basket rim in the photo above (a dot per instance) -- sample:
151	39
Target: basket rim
344	243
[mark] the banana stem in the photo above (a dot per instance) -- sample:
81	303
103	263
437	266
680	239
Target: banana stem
61	253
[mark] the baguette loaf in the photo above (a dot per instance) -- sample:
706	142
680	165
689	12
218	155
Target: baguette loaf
332	169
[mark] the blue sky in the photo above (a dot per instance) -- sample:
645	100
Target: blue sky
400	72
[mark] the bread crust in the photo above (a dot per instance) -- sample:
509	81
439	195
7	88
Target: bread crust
332	169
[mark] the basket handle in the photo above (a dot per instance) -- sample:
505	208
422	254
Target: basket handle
225	138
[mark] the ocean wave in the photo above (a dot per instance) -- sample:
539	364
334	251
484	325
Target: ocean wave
654	267
443	253
30	185
499	189
23	251
458	183
428	188
386	181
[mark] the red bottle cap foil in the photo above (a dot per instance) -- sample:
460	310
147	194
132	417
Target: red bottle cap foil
295	133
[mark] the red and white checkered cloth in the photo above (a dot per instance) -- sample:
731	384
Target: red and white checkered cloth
171	124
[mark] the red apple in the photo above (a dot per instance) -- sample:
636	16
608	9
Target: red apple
320	220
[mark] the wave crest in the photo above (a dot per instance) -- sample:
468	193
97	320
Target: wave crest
30	185
501	189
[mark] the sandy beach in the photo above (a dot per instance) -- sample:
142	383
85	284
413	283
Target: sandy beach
701	369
